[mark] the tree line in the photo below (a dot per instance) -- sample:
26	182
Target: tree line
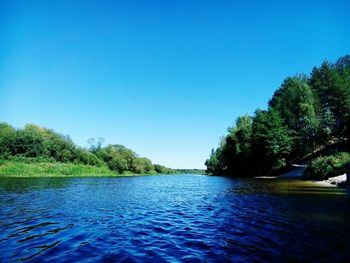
37	144
304	114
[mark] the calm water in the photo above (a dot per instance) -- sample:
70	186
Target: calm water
172	218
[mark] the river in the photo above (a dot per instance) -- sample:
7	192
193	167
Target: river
172	218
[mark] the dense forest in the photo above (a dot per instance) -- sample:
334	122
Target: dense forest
304	115
34	144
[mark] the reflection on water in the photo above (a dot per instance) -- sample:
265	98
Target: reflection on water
21	185
172	218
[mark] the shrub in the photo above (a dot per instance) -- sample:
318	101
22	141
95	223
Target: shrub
85	157
325	167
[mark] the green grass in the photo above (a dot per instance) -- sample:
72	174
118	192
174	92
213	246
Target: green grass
51	169
35	168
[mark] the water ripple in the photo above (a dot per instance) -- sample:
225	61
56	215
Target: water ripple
171	219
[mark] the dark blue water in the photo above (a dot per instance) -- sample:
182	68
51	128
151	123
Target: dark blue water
172	218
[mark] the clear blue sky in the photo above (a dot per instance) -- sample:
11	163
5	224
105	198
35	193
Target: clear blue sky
164	78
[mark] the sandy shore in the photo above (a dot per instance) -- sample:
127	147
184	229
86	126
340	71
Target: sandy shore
333	181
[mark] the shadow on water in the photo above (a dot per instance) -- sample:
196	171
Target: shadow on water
284	186
21	185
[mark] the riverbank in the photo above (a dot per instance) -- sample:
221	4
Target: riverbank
297	174
56	169
51	169
339	181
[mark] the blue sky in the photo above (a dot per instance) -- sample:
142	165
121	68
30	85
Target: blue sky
164	78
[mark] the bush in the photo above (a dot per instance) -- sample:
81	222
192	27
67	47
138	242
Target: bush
142	165
160	169
85	157
325	167
118	164
35	145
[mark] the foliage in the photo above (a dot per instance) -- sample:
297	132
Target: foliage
271	141
84	156
327	166
35	144
304	114
142	165
213	164
332	84
297	104
253	145
162	169
7	136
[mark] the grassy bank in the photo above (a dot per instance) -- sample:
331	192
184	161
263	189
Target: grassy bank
57	169
51	169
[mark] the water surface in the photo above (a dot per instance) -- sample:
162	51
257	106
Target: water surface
174	218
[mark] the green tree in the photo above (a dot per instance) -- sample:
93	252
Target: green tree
297	105
302	114
28	143
161	169
213	163
271	141
142	165
236	149
60	147
38	144
86	157
333	88
113	157
7	137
